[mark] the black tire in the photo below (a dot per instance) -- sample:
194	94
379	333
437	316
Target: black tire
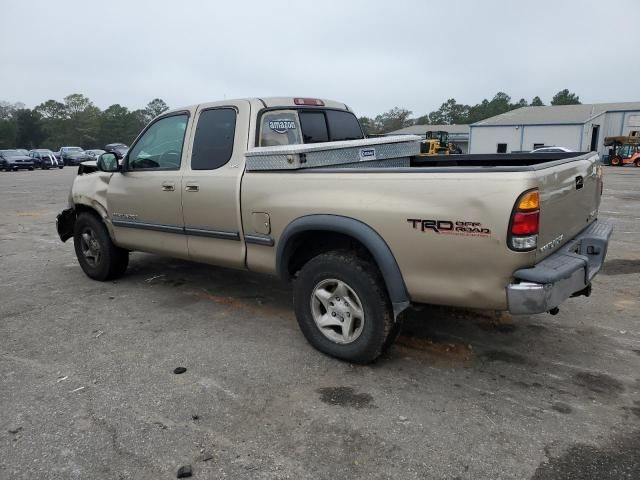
112	261
363	278
31	169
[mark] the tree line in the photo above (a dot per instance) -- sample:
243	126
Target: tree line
453	113
74	121
77	121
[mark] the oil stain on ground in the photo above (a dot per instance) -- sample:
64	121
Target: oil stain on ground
561	407
599	383
345	397
621	266
440	352
506	357
616	461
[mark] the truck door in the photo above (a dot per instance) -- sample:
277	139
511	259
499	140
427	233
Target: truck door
145	199
211	184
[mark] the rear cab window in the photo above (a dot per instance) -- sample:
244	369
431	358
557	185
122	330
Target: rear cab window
213	141
306	125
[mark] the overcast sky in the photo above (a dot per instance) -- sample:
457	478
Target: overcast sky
371	55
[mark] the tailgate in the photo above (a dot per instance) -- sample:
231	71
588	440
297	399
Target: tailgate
569	200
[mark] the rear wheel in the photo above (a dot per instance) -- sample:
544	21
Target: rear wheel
99	258
342	307
31	169
637	163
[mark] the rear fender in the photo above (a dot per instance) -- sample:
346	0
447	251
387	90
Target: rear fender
366	235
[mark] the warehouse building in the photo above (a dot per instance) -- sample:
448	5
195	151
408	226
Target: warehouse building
578	127
458	134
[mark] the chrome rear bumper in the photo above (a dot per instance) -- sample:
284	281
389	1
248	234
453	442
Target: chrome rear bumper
566	273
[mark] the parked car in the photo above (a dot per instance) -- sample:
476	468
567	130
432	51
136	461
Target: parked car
552	150
94	153
13	160
120	149
364	227
22	151
72	155
45	159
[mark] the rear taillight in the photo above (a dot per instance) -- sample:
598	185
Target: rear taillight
525	222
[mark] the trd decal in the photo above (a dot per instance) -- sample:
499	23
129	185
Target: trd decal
450	227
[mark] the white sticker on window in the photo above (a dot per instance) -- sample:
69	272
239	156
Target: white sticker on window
282	125
367	154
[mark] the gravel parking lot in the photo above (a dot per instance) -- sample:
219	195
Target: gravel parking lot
87	388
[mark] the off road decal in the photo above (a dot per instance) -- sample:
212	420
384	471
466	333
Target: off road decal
282	125
450	227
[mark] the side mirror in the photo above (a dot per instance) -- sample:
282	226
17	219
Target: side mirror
108	162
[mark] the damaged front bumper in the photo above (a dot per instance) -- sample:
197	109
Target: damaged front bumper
65	222
564	274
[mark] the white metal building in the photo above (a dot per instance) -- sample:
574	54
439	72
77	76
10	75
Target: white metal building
458	134
578	127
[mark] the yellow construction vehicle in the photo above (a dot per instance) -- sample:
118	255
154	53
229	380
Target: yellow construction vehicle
437	143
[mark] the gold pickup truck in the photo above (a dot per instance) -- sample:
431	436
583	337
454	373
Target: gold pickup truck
361	227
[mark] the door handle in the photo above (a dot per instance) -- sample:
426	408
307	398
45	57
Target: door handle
191	187
168	186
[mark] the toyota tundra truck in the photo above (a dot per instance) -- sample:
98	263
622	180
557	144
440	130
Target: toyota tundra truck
361	227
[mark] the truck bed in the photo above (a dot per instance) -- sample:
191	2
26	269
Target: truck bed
496	160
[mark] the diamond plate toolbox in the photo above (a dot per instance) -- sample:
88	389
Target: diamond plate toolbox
315	155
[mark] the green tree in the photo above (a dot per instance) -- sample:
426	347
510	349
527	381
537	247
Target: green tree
519	104
423	120
8	109
564	97
537	102
54	122
450	112
7	133
155	107
367	125
394	119
29	130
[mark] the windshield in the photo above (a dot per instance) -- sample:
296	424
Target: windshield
11	153
72	149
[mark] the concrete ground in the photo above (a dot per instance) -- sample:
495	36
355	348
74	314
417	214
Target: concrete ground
87	388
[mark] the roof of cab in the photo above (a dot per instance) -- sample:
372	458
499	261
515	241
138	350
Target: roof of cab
268	102
290	102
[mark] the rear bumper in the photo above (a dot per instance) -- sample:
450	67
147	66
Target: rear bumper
566	273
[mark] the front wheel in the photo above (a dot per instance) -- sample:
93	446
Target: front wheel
99	258
616	161
343	308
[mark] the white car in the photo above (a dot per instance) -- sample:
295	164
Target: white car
95	153
552	150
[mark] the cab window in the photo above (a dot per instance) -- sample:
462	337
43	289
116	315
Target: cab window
213	142
280	127
289	127
160	147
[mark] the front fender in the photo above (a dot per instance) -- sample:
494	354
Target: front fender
65	222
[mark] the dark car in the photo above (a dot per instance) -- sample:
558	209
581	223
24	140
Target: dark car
45	159
120	149
72	155
13	160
